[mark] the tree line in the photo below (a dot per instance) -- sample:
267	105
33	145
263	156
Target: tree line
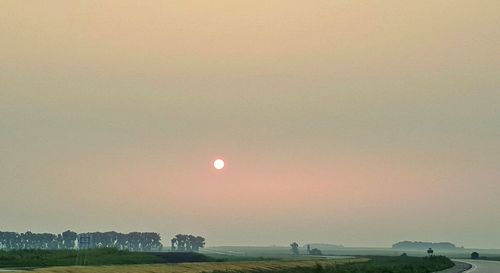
133	241
183	242
424	245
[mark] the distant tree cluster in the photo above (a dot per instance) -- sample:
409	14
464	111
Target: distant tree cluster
187	243
424	245
134	241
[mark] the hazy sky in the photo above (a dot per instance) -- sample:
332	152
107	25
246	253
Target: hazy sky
353	122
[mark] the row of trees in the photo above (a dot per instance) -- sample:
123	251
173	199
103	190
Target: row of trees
425	245
134	241
183	242
29	240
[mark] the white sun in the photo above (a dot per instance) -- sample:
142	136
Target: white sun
219	164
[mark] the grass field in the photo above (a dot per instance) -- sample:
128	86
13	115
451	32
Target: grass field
263	266
283	251
101	256
376	264
275	261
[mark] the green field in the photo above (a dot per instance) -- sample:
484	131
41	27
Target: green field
357	265
240	267
100	256
282	251
252	260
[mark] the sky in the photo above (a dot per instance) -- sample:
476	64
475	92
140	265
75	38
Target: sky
360	123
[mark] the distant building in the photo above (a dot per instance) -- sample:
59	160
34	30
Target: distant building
315	251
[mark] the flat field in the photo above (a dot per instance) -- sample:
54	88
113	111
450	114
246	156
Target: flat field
280	252
199	267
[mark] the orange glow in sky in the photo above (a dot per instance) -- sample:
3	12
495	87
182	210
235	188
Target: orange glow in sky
341	121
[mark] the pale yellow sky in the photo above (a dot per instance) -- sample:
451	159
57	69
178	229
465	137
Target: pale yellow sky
374	122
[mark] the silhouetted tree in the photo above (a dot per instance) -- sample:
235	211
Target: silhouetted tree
182	242
69	239
174	243
198	242
474	255
152	241
26	240
295	248
9	240
133	241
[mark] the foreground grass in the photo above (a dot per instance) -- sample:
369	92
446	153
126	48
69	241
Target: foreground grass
386	264
240	267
